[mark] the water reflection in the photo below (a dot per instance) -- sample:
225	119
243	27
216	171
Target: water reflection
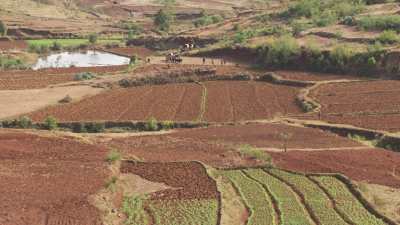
80	59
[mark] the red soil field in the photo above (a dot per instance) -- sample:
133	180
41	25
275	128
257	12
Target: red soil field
238	101
310	76
9	45
373	104
374	165
130	51
189	179
170	102
216	146
32	79
268	135
48	179
389	122
226	101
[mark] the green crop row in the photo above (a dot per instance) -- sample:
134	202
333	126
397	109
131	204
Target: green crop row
69	42
292	212
184	212
254	196
314	197
346	203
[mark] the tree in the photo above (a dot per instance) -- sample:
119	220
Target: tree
92	38
3	29
50	123
285	137
163	20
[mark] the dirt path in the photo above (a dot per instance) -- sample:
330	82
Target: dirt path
18	102
192	61
316	149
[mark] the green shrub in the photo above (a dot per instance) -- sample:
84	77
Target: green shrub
24	122
113	156
92	38
3	29
151	124
242	36
281	51
206	20
167	125
50	123
381	22
340	56
324	13
133	60
95	127
325	18
85	76
388	37
79	128
163	20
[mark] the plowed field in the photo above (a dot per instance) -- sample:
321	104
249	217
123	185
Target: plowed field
374	166
188	179
9	45
310	76
374	104
47	180
225	101
217	146
172	102
31	79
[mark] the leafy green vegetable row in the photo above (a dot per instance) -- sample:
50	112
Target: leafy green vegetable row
346	203
292	212
254	196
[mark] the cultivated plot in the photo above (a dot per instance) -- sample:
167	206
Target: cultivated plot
373	104
225	102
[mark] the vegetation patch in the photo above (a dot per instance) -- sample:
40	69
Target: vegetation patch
254	196
184	212
345	201
315	199
291	209
255	153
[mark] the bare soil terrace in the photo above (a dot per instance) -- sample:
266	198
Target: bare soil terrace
377	166
47	180
225	101
188	179
217	146
373	104
34	79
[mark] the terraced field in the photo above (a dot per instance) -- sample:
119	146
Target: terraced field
373	104
225	101
34	79
191	199
273	196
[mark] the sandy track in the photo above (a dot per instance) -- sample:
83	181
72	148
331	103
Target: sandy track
19	102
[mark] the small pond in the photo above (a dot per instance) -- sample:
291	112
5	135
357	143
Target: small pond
80	59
